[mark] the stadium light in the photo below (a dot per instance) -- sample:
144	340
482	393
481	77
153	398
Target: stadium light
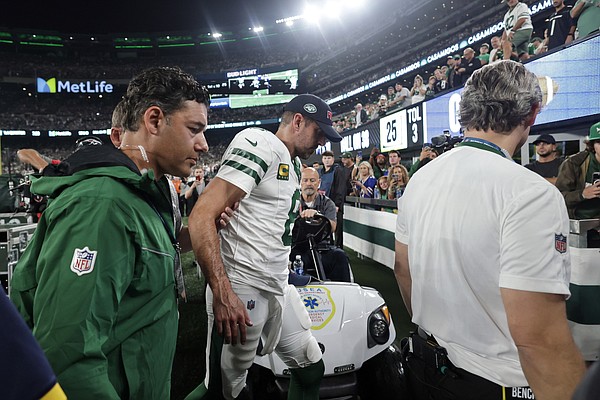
258	29
312	14
355	3
332	9
287	20
217	35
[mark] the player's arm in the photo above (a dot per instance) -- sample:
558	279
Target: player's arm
184	240
402	272
231	317
538	325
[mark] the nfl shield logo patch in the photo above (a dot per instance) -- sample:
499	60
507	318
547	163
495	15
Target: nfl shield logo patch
83	261
251	304
560	243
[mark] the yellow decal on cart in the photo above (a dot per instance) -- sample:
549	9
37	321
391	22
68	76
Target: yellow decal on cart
319	304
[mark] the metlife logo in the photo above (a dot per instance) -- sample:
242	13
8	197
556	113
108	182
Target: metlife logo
53	85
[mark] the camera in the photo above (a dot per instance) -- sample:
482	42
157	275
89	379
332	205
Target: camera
445	141
595	177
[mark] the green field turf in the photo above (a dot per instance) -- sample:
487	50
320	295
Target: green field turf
188	368
249	100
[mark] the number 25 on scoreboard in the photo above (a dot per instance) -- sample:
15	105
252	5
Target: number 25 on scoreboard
392	131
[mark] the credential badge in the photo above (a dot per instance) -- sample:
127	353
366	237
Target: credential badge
83	261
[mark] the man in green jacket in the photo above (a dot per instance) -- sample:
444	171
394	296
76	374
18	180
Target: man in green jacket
576	179
96	283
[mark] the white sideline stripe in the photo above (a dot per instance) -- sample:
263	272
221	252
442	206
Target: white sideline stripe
375	219
585	266
587	338
381	254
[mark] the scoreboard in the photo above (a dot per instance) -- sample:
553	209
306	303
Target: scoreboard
404	129
251	87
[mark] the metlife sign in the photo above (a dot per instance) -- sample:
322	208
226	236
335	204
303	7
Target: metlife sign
53	85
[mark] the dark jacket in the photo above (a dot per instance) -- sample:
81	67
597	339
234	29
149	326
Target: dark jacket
571	180
96	282
341	186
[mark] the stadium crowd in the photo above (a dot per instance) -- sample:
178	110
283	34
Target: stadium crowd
399	40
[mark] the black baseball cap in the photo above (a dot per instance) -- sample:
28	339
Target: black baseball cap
546	138
316	109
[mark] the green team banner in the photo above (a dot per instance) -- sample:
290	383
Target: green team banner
370	233
583	307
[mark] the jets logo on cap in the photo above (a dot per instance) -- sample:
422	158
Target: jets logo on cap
310	108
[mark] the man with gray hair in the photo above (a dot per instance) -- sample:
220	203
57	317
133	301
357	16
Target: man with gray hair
361	115
487	287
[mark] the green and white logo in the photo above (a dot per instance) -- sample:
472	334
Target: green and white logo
48	86
53	85
310	108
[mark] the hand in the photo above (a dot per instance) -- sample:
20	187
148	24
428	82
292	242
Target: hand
231	317
226	216
591	192
424	153
308	213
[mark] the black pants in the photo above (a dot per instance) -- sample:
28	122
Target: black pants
339	228
335	263
425	382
